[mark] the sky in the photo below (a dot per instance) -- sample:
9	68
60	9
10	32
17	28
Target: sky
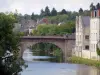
29	6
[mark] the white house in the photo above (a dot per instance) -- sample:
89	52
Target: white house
87	35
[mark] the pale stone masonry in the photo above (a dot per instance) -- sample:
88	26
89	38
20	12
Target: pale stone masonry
87	35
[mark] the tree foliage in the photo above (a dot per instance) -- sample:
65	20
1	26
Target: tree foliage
47	11
91	6
94	7
9	42
32	16
63	12
80	11
53	12
47	49
98	6
42	13
71	14
27	17
53	29
98	50
58	19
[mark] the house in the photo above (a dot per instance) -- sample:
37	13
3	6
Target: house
28	25
87	35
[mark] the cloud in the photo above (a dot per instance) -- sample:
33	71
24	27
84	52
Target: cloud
29	6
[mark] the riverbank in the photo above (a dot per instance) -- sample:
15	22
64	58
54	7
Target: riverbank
89	62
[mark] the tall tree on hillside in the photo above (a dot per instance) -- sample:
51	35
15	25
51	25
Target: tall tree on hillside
63	11
53	12
42	13
98	6
47	11
32	16
92	7
80	11
18	16
27	17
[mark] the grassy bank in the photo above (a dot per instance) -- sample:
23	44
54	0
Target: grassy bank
79	60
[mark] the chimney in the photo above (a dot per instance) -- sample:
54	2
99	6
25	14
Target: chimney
95	13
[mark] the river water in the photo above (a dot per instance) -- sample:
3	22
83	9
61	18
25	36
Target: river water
36	67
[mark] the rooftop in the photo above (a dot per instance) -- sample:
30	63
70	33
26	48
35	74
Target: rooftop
86	20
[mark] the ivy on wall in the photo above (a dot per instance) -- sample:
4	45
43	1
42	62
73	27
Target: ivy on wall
98	51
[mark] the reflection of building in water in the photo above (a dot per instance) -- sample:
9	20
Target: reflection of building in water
85	70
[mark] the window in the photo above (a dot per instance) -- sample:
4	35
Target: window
86	36
87	47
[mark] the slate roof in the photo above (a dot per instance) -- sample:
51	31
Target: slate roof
86	21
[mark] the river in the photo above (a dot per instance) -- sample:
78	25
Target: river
36	67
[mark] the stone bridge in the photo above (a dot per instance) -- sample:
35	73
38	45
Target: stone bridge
65	43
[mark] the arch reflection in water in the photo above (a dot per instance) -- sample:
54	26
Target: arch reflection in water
28	56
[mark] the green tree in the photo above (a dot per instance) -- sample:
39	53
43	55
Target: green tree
98	6
53	29
92	7
80	11
32	16
43	29
98	51
47	11
27	17
8	45
53	12
34	32
57	19
42	14
63	11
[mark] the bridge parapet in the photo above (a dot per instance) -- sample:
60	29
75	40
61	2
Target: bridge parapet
49	37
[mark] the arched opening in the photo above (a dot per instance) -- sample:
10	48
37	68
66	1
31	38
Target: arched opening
47	49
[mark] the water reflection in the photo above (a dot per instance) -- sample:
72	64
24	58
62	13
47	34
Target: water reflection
86	70
36	67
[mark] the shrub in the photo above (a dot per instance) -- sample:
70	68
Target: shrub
98	51
85	61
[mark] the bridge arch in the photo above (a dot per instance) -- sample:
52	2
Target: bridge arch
47	49
25	45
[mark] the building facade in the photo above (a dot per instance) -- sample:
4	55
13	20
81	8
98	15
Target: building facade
87	35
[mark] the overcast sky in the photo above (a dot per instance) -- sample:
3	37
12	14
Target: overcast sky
29	6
